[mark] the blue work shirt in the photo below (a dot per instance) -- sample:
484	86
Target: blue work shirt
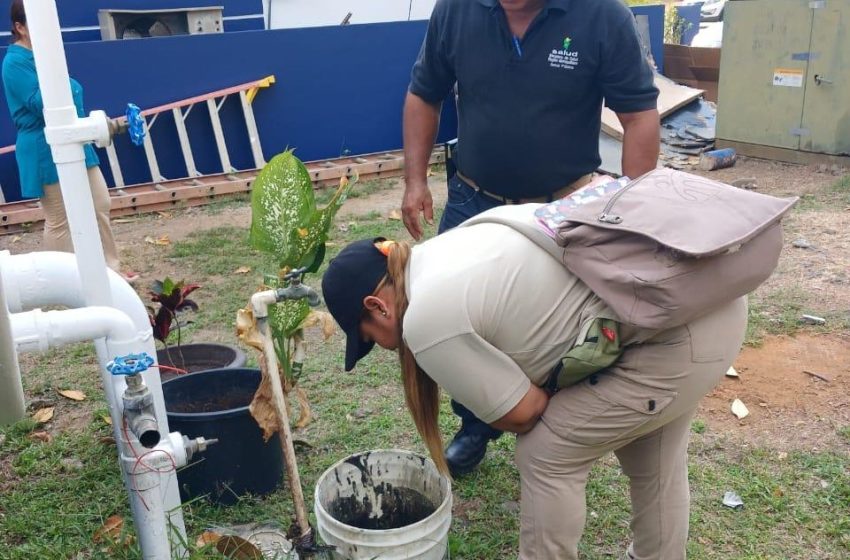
529	109
35	162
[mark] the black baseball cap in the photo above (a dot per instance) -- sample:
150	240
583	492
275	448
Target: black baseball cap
351	277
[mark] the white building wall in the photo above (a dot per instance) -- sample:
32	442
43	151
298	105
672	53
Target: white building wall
315	13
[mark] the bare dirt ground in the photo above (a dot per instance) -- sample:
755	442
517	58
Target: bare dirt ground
789	409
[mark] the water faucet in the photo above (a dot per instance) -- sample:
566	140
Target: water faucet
297	290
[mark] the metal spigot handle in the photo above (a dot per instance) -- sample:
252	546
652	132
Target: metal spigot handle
295	275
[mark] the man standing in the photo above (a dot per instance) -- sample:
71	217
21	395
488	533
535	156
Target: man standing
531	77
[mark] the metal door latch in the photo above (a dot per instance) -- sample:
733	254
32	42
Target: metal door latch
820	80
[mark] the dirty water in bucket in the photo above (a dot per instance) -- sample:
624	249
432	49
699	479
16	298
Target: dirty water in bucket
398	507
390	504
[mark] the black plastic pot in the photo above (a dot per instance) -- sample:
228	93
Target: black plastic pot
199	357
214	404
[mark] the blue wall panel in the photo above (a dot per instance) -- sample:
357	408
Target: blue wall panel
691	14
339	90
655	14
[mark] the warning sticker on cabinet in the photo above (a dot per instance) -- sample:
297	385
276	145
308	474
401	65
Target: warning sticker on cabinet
788	77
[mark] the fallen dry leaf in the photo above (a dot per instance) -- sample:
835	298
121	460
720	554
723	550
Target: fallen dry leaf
164	214
395	214
161	240
238	548
16	239
73	394
207	538
107	419
43	415
110	530
243	270
41	436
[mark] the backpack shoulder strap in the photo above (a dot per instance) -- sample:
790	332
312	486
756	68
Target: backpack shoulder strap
521	219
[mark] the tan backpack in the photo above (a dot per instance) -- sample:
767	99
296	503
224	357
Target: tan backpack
666	248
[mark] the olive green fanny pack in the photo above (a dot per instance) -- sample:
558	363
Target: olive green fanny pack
597	347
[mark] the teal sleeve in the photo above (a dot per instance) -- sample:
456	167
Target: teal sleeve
22	82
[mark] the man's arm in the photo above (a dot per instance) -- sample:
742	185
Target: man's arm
641	142
524	416
421	120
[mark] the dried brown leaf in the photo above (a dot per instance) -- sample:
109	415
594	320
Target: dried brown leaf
107	419
395	214
238	548
207	538
43	415
243	270
246	329
41	436
161	240
73	394
322	319
110	530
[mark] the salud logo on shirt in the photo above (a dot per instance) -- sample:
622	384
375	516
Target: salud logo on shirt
564	57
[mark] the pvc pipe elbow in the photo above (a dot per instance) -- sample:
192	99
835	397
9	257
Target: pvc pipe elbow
260	302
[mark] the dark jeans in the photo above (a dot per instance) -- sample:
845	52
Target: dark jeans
463	203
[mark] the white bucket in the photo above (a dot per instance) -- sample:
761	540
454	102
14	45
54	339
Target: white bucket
377	489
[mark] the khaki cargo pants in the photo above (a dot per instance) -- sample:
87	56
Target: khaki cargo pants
57	234
640	409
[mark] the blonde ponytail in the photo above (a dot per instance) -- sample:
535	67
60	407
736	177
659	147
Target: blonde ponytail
421	393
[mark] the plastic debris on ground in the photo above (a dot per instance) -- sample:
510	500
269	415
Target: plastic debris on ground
732	372
261	541
732	500
739	409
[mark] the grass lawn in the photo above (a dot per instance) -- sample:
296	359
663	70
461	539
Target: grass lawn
55	495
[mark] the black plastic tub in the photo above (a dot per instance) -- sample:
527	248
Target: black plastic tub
201	356
214	404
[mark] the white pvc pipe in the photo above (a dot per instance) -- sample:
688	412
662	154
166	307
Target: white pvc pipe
12	407
69	157
50	278
36	330
66	134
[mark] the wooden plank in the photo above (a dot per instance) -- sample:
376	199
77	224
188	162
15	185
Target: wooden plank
671	96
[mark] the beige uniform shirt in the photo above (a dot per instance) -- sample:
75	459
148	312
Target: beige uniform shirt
490	313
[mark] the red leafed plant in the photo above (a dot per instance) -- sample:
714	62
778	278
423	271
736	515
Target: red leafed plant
172	299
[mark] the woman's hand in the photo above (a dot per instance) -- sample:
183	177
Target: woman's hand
523	417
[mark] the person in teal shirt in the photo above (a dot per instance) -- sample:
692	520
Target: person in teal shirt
38	175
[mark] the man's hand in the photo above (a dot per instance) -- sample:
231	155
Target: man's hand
417	198
421	120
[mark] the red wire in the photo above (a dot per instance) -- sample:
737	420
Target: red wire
140	461
178	370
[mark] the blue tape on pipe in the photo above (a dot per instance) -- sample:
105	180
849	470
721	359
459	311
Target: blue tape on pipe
135	124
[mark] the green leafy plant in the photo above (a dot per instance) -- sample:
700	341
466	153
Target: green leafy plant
286	223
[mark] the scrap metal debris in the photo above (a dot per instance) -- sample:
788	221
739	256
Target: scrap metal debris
812	320
688	133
